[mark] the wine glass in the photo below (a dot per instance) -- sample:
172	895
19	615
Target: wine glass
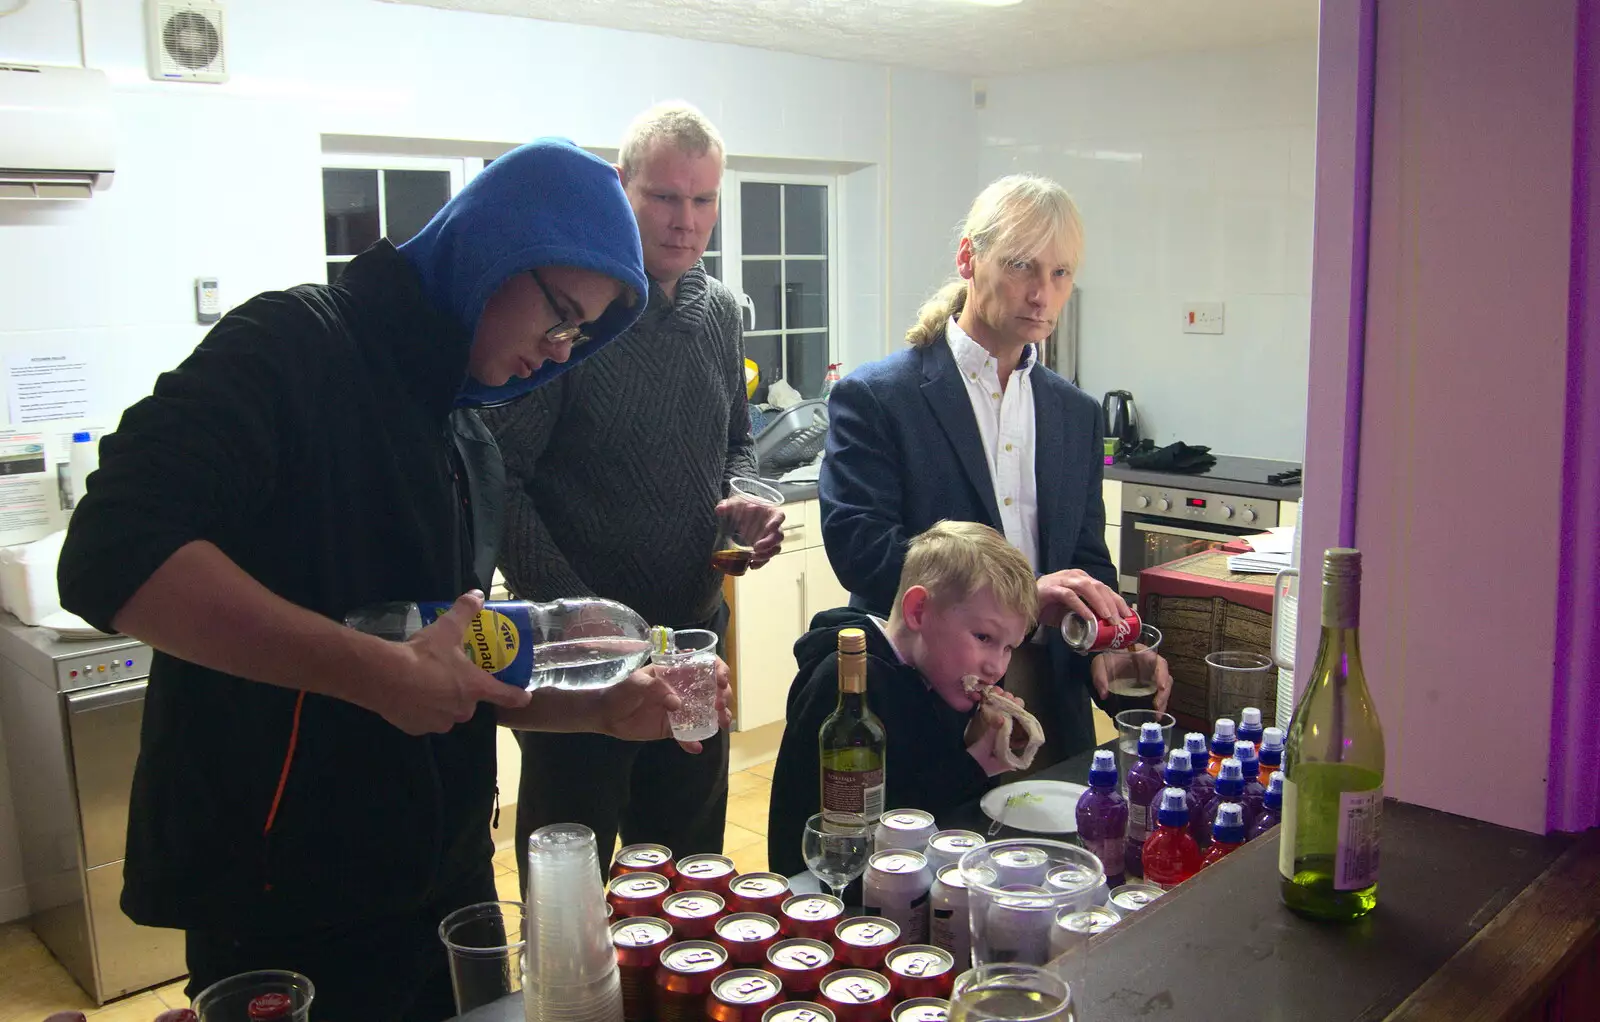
836	847
1010	992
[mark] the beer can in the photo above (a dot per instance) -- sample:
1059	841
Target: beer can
896	887
1074	927
1085	887
801	963
810	915
1020	865
639	943
863	941
919	970
904	828
743	995
921	1009
949	846
758	892
643	859
1096	635
747	936
693	914
798	1011
948	924
705	872
856	995
1131	897
637	894
683	979
1017	922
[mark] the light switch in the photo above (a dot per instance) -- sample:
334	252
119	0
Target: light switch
1202	318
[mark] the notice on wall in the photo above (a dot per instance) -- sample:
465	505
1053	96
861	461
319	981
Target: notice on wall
46	387
29	503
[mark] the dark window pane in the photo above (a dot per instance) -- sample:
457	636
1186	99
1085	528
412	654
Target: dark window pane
714	266
805	224
761	284
349	210
335	270
764	352
715	244
808	363
760	219
805	292
410	198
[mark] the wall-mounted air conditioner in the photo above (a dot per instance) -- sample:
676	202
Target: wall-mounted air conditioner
56	139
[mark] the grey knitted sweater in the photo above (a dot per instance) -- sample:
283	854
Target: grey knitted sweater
614	469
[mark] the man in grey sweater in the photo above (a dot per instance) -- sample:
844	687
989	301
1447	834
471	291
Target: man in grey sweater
616	472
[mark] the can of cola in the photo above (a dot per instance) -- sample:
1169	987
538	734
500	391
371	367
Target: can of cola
637	894
949	846
904	828
896	887
747	936
919	970
798	1011
644	859
1131	897
758	892
705	872
1074	927
921	1009
1096	635
863	941
693	914
639	943
810	915
801	963
948	924
857	995
743	995
683	980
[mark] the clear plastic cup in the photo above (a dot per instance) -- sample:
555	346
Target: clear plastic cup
1011	992
1236	679
228	1000
690	667
485	942
1131	672
736	528
568	942
1128	724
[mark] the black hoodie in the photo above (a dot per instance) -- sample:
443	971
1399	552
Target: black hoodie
926	766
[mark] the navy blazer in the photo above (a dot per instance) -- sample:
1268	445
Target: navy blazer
904	452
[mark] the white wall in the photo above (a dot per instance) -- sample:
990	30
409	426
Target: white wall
1194	176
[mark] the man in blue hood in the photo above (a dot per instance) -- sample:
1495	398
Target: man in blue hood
308	797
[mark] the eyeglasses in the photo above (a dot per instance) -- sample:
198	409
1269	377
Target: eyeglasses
566	331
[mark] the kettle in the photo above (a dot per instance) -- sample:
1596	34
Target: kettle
1122	418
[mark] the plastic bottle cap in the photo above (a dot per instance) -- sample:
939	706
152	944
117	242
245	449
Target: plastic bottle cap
1230	814
1149	733
1195	742
1178	759
1272	739
1224	729
1275	782
1243	750
1103	771
1174	800
1250	717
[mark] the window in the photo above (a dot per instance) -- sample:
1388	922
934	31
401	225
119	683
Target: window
781	257
365	198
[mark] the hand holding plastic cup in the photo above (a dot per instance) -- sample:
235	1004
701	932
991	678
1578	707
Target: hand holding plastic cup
1131	672
687	660
740	523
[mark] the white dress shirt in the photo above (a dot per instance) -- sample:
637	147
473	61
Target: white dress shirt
1006	427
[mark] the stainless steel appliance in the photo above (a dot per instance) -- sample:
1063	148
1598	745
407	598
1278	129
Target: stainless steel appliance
72	712
1161	523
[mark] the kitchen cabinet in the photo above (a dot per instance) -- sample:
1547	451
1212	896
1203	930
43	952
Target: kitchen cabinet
1111	494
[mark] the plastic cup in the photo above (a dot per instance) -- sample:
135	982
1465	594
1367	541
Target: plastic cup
1237	679
736	525
1131	672
1011	902
228	1000
1128	724
690	667
1011	993
568	942
485	942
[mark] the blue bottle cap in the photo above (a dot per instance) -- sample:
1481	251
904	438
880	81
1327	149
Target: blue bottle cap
1179	769
1174	810
81	437
1229	825
1103	771
1224	730
1250	717
1249	763
1150	743
1230	781
1195	742
1273	799
1272	740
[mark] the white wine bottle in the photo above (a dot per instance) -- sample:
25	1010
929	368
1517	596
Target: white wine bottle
851	741
1333	767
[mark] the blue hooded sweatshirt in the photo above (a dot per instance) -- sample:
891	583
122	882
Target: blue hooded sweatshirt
547	203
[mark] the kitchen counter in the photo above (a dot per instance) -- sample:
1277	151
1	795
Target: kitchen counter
1243	477
795	493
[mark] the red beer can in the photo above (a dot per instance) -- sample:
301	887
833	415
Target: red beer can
861	942
798	1011
637	894
921	1009
743	995
1096	635
683	980
639	943
856	995
693	914
705	872
920	970
758	892
810	915
801	963
747	936
643	859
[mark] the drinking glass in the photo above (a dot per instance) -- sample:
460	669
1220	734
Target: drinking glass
736	525
836	847
1131	672
1010	992
228	1000
1128	724
485	942
1236	679
689	665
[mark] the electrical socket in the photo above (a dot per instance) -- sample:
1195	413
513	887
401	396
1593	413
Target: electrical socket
1202	318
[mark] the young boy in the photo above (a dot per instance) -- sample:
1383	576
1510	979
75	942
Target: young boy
967	598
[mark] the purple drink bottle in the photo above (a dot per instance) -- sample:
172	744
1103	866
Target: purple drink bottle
1144	785
1103	817
1271	808
1249	766
1230	787
1203	786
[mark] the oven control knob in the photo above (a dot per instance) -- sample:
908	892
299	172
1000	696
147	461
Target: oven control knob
1164	504
1144	501
1227	512
1249	514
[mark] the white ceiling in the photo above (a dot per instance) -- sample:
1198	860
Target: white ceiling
959	36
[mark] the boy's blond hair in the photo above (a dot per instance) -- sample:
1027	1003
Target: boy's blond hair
955	560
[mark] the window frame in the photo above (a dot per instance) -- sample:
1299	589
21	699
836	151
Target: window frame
460	169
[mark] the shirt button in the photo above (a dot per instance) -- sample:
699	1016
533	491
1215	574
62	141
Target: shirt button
973	375
1008	447
995	395
1008	502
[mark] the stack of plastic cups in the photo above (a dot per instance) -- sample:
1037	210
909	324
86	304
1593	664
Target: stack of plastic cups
571	970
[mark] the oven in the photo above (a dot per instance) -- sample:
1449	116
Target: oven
1163	523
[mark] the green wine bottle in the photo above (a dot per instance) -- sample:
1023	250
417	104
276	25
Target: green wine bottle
851	741
1333	767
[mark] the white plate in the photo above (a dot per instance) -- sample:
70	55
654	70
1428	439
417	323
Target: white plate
1049	808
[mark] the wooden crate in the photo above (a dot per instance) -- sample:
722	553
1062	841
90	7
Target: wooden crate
1193	626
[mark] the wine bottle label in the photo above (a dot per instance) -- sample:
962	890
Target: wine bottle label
1138	823
853	791
1287	835
1355	864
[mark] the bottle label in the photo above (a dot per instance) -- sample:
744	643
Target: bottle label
494	639
1109	850
853	791
1138	823
1286	835
1355	864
